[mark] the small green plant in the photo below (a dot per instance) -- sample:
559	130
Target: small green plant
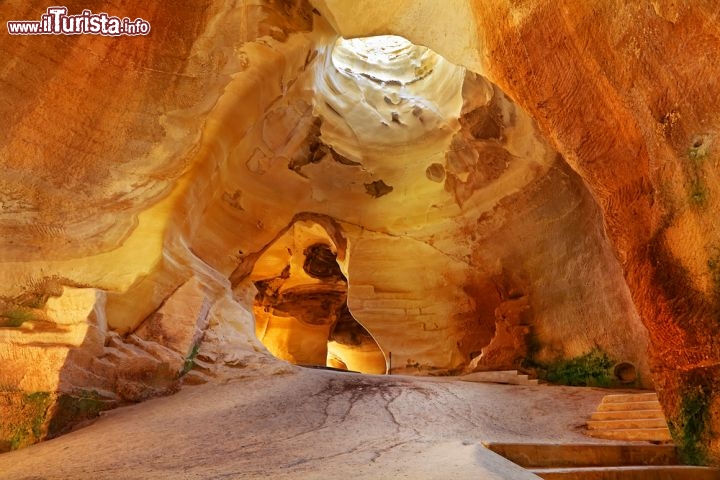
697	190
27	426
190	359
39	401
37	398
15	317
89	403
591	370
688	429
713	265
75	407
18	439
698	193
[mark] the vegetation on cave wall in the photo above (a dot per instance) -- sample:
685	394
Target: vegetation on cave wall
72	408
39	415
592	369
189	362
15	317
27	426
689	427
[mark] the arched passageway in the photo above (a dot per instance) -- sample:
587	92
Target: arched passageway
301	312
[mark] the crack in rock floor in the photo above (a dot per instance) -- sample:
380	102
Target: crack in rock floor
314	424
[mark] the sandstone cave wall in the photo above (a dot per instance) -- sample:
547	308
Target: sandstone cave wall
219	145
628	93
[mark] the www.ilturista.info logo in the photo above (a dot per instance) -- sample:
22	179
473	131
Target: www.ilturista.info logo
57	22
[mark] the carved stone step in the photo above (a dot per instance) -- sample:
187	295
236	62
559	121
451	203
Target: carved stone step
627	414
671	472
534	455
633	434
627	406
630	397
626	423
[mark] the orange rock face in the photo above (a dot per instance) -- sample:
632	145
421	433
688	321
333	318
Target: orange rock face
243	174
628	95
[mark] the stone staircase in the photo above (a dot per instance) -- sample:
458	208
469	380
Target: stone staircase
619	461
629	417
510	377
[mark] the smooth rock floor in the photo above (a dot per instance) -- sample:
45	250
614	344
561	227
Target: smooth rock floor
315	424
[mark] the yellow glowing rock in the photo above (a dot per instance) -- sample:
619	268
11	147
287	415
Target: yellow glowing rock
115	270
34	354
293	340
439	196
179	323
366	358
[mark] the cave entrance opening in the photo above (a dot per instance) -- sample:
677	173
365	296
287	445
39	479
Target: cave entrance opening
300	309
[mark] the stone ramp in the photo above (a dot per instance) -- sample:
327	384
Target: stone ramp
629	417
510	377
628	461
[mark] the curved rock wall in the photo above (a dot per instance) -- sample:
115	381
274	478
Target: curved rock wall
646	151
466	239
627	92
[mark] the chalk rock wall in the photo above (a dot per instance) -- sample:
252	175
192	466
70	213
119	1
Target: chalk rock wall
159	218
102	301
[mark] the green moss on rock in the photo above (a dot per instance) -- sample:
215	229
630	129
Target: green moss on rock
689	428
15	317
592	369
190	360
71	409
26	415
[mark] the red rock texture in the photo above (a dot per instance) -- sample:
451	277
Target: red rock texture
629	94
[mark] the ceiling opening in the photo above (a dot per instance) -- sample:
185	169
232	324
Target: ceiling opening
384	58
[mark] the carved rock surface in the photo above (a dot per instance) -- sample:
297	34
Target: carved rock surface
152	187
